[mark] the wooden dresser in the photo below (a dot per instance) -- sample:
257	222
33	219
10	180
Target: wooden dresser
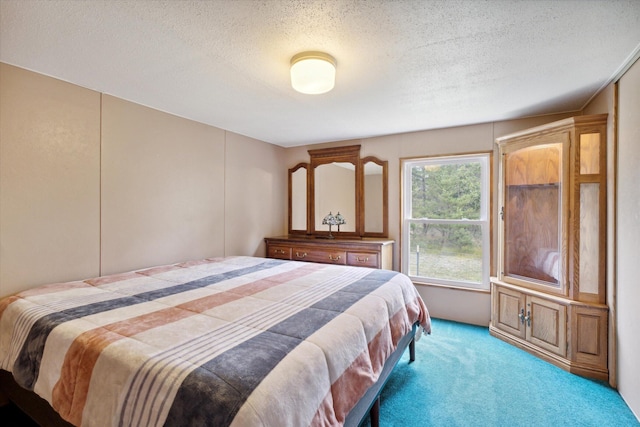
364	252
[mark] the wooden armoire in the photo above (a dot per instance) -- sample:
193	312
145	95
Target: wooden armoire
549	295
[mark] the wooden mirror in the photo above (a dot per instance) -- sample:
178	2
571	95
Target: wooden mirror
336	181
375	197
298	200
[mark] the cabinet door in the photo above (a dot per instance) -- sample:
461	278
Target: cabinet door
507	311
532	214
547	325
589	336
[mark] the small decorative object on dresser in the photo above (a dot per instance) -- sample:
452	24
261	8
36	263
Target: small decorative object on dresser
333	220
549	296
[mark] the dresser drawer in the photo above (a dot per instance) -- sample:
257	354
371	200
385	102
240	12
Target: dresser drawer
325	256
362	259
279	252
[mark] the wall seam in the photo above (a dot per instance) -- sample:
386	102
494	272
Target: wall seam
224	196
613	330
100	188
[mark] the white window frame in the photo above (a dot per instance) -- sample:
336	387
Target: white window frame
484	221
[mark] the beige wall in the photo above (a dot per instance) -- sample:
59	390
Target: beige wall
162	197
628	235
91	184
460	305
49	180
255	195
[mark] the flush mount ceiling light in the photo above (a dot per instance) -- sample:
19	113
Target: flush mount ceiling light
313	73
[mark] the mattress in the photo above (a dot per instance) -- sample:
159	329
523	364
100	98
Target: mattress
237	341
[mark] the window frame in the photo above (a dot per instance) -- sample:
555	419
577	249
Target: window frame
406	165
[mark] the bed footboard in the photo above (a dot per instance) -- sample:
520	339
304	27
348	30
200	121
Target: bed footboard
30	403
370	402
42	413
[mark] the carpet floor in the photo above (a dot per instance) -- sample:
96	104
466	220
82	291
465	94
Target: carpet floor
463	376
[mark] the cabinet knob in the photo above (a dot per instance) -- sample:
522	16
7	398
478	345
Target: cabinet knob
363	259
521	316
337	258
301	255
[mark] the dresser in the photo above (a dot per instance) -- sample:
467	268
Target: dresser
363	252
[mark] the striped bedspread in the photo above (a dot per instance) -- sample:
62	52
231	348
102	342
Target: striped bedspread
237	341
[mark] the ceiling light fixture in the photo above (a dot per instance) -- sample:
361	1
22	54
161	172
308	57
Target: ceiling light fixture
313	73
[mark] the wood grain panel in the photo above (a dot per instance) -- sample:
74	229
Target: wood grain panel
363	259
509	310
325	256
590	337
531	232
548	325
534	165
589	239
279	252
589	153
588	327
507	304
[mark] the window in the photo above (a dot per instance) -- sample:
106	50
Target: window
445	220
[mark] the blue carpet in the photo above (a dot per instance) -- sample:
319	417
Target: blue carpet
462	376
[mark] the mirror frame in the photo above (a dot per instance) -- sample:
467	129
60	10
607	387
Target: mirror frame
385	198
294	169
348	154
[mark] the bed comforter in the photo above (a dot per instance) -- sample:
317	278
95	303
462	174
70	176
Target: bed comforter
237	341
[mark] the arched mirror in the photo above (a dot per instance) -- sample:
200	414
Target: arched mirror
335	194
298	200
374	194
335	179
338	183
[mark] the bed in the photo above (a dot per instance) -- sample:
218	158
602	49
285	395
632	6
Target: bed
236	341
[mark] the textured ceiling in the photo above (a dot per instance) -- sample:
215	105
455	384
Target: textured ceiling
402	65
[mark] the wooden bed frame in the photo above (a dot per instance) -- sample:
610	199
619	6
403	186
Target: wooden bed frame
370	402
42	413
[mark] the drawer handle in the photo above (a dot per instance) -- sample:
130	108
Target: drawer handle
279	251
337	258
304	254
363	259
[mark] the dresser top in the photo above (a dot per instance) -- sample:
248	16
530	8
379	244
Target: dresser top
325	240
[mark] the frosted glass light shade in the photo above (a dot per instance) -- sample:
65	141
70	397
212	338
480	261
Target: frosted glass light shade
313	73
